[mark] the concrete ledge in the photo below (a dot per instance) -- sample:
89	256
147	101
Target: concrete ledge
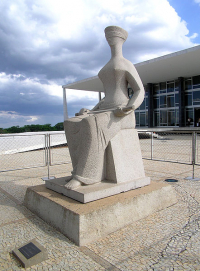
97	191
85	223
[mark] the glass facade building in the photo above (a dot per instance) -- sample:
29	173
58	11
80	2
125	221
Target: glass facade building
174	103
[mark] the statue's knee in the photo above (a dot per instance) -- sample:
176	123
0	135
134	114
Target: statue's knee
88	122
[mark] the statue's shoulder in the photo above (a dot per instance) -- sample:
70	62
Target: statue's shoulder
128	64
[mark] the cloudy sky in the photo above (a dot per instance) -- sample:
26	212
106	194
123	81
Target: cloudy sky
45	44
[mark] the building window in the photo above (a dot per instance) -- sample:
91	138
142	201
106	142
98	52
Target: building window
171	118
166	102
189	117
188	99
130	93
142	106
163	101
176	99
163	87
196	98
137	118
196	81
156	121
166	117
163	117
170	86
142	119
141	113
170	101
156	102
188	83
156	89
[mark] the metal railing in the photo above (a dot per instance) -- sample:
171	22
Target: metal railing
22	151
169	146
37	150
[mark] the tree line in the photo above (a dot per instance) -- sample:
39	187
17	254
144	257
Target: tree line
32	128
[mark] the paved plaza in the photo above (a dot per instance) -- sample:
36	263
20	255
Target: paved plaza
165	240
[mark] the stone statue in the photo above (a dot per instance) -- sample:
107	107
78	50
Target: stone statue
90	131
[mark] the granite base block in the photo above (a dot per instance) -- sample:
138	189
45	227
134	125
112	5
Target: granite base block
97	191
85	223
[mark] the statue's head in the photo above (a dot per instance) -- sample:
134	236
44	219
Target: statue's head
113	33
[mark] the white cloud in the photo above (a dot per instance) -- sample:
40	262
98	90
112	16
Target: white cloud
46	44
32	119
30	84
14	116
48	21
197	1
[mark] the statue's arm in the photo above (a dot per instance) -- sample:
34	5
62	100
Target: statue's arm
135	83
84	111
97	106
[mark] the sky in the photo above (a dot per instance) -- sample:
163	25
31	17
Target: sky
45	44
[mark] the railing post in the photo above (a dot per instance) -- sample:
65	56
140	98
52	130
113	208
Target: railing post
193	152
48	153
194	141
46	149
49	149
151	145
48	157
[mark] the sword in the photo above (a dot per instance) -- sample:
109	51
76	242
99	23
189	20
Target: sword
126	109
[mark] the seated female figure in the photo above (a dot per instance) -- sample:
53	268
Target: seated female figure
89	133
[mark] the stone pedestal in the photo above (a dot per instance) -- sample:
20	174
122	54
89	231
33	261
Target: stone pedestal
85	223
97	191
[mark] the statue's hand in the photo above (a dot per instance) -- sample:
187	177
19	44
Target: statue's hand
83	111
122	111
119	112
128	109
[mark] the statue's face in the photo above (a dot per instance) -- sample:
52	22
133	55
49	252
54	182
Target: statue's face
113	40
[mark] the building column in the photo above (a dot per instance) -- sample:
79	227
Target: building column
150	104
181	102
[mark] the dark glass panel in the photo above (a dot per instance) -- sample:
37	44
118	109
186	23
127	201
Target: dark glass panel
188	99
177	117
196	86
163	87
177	99
130	93
189	117
163	101
147	102
196	97
156	118
137	118
188	84
147	118
170	101
142	119
176	84
156	103
163	117
170	87
156	88
171	118
196	80
142	106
